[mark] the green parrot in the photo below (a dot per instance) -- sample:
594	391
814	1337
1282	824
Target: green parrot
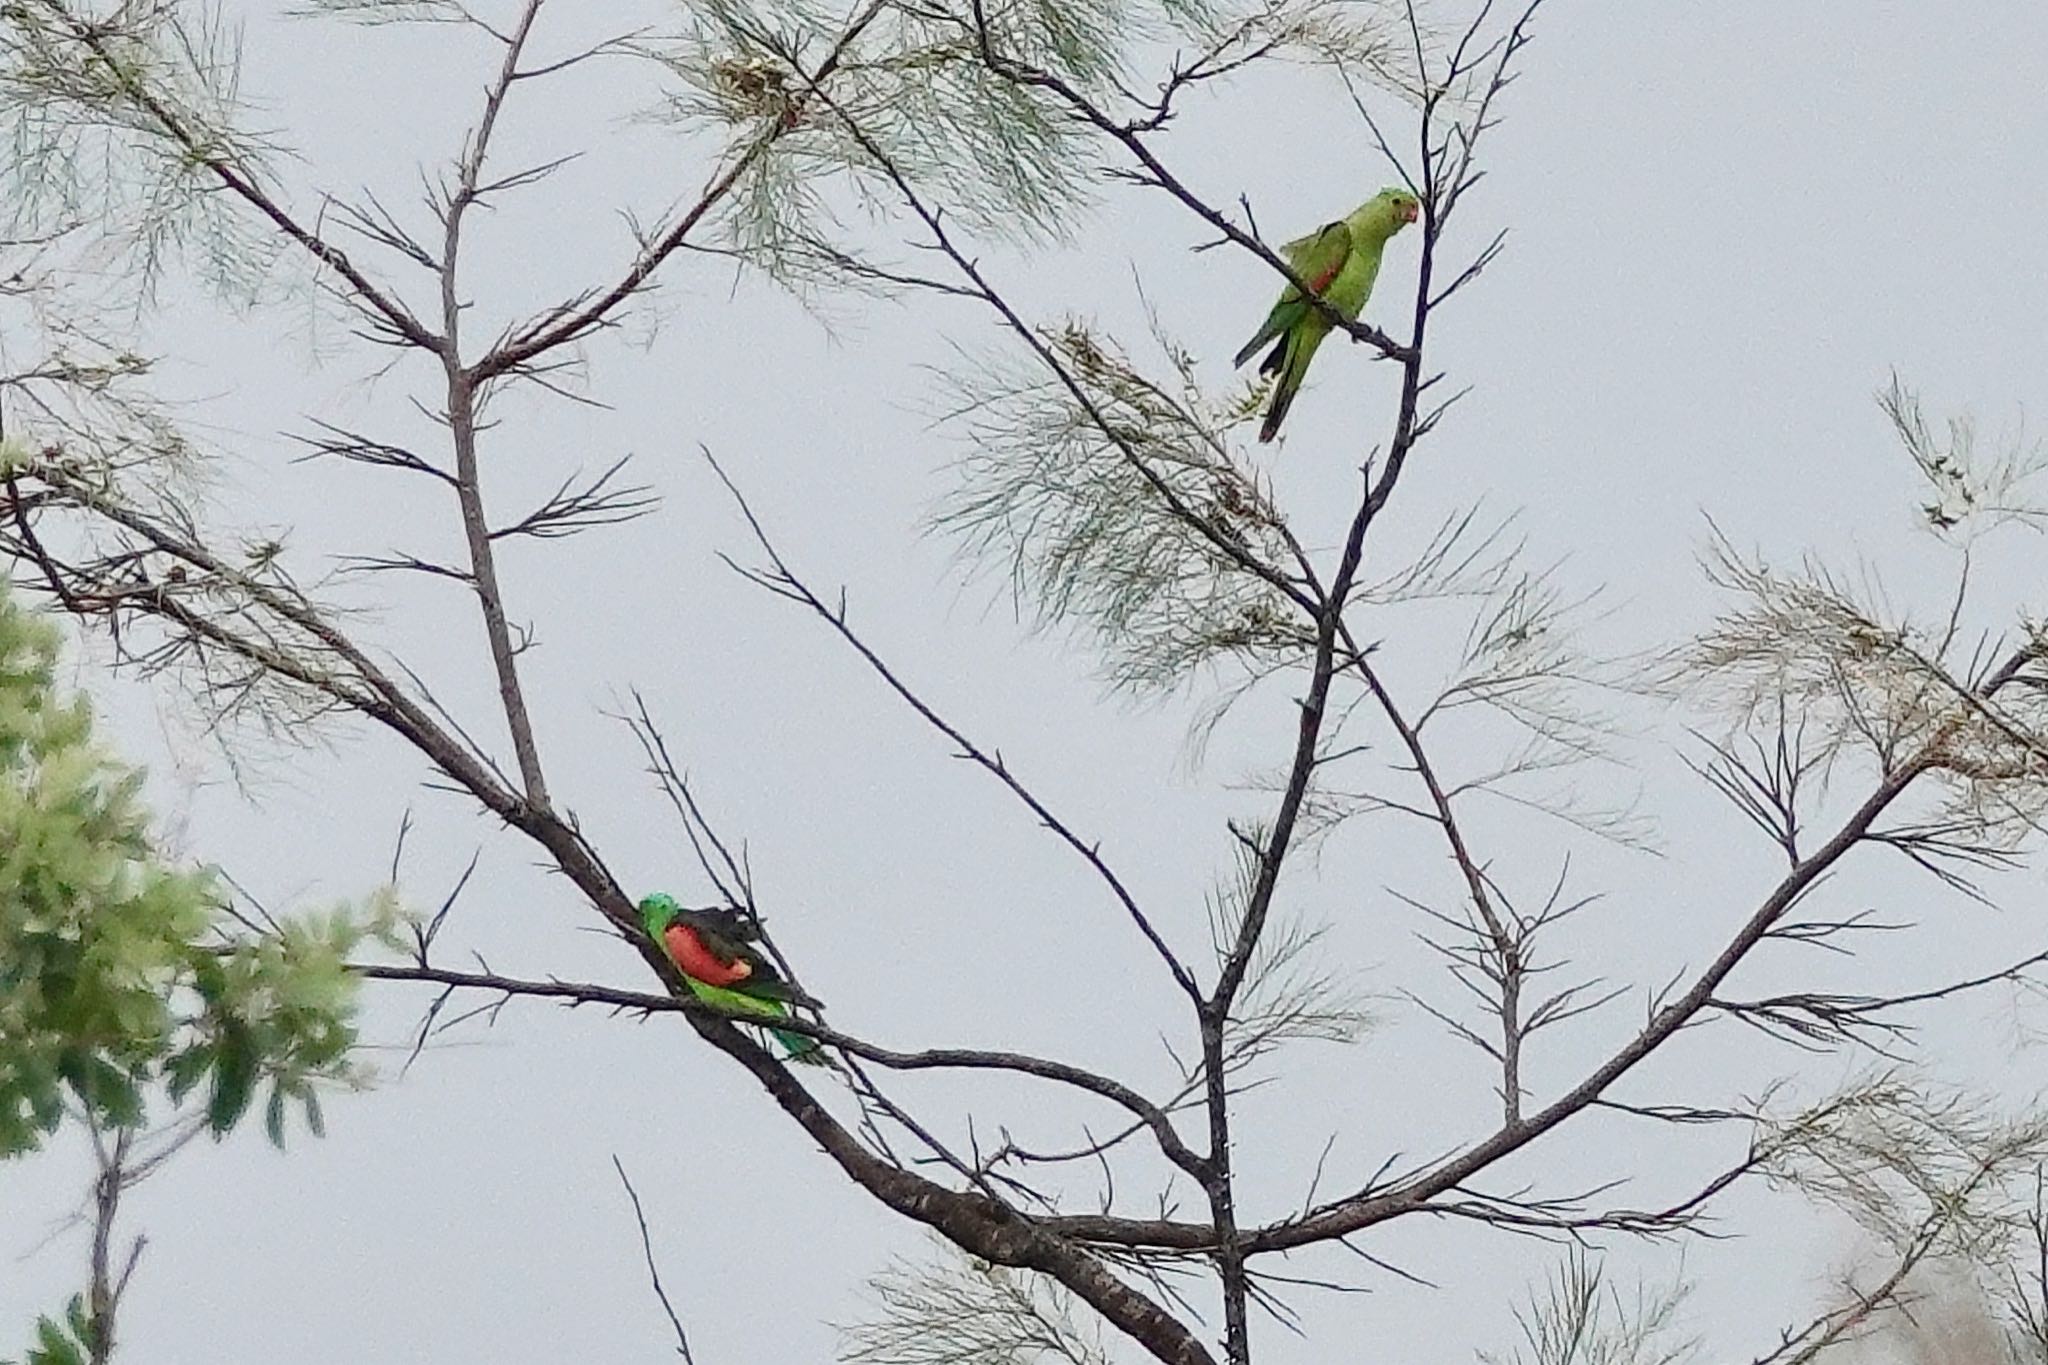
1339	262
711	949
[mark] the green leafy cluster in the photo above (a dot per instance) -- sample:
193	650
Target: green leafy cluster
62	1341
114	973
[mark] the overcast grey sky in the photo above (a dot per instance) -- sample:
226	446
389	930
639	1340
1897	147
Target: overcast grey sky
1729	225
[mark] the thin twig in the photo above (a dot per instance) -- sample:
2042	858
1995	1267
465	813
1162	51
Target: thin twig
786	583
654	1271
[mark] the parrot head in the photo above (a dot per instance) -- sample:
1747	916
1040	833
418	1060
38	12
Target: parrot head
1392	209
657	912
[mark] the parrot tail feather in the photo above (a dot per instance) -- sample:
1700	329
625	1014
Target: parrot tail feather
1275	358
1283	399
800	1048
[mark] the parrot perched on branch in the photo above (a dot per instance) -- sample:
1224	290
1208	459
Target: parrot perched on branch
1339	262
712	949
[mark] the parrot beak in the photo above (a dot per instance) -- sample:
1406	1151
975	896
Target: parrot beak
1411	212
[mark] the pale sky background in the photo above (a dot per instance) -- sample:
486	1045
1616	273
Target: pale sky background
1730	223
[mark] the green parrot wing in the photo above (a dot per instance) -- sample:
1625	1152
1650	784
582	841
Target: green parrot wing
798	1047
736	1000
1317	258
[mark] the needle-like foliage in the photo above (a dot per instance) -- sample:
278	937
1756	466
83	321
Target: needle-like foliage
1582	1318
953	1311
117	120
1114	502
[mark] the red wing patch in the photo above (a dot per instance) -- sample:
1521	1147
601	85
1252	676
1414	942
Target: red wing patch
698	962
1336	235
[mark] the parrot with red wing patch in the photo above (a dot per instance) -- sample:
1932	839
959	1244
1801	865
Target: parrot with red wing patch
713	949
1340	263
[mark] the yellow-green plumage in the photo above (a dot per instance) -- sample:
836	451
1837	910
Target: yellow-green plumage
800	1048
1340	262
